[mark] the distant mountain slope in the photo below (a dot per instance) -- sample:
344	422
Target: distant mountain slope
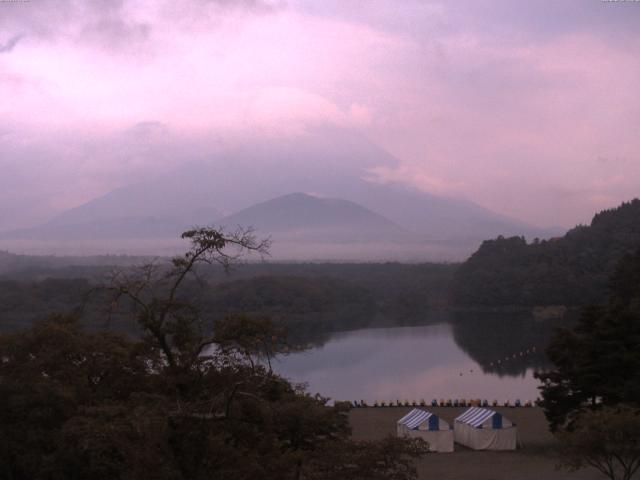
150	200
440	218
101	229
329	162
572	270
142	211
299	216
332	163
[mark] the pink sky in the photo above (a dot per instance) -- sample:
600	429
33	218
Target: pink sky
531	109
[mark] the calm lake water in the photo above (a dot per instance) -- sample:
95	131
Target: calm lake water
421	362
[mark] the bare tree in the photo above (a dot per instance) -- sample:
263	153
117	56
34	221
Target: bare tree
153	290
254	338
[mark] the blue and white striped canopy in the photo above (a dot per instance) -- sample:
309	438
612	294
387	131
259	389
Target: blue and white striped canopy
416	417
476	417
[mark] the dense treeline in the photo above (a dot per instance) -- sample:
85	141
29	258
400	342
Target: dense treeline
292	295
24	302
307	307
572	270
402	290
30	266
309	299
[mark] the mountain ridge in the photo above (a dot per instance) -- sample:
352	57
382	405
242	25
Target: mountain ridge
317	216
329	163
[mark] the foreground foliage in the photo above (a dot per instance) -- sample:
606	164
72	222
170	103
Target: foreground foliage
592	396
607	439
597	362
182	403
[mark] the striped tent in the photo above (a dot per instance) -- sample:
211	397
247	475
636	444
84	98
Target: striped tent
484	429
428	426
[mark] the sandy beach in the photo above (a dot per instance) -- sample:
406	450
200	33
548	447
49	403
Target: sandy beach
535	458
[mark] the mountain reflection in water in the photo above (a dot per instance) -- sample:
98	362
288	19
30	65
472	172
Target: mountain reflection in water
457	359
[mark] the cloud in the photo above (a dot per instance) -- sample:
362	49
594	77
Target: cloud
188	72
10	43
414	176
289	110
505	104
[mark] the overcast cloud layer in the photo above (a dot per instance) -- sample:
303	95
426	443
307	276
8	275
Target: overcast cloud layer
529	108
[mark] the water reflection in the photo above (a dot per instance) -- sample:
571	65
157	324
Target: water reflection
505	344
408	363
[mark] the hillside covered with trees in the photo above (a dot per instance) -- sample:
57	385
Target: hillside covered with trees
572	270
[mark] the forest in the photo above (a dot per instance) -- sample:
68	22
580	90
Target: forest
76	404
572	270
311	300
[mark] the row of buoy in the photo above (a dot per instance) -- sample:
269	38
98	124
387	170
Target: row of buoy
515	356
445	403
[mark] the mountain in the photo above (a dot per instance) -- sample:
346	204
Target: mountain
166	203
442	219
301	216
142	211
308	227
222	182
570	270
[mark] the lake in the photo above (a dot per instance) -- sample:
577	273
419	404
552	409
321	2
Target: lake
448	360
